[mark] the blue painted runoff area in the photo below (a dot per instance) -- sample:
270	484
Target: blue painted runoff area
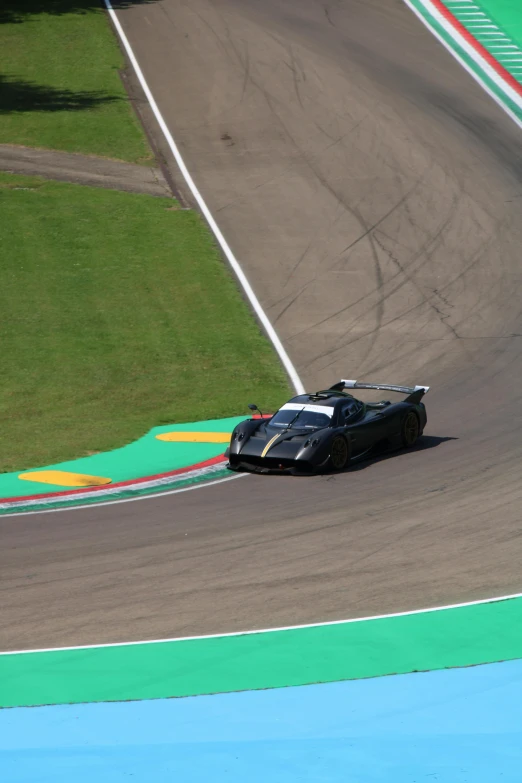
453	726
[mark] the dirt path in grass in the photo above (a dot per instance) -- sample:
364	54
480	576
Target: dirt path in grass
84	170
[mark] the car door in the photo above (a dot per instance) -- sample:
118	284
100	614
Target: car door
366	426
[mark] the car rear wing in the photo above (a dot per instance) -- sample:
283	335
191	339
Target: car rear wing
415	393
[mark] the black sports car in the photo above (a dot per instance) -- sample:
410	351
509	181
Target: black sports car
325	430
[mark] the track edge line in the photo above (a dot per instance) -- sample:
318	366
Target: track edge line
234	263
409	613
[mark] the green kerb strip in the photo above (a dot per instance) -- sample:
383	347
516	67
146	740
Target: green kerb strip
126	493
432	640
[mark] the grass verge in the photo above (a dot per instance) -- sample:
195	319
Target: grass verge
116	314
60	87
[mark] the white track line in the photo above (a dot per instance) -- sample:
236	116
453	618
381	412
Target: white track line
471	52
272	630
150	496
234	263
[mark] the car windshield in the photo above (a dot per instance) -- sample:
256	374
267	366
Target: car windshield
313	420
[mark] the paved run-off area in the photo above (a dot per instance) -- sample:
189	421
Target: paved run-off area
457	725
453	637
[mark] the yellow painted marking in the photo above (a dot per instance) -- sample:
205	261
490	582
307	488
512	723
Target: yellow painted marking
263	453
64	479
195	437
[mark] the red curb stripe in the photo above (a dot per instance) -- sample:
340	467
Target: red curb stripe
70	493
479	48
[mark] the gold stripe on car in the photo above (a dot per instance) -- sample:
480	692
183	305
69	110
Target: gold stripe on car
263	453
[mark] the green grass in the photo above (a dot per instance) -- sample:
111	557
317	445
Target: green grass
61	88
116	314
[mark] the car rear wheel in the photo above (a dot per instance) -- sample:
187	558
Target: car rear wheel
410	430
339	453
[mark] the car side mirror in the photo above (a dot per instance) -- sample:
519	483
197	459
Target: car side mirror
254	408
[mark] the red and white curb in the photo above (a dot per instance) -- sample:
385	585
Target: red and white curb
467	25
482	28
206	470
199	474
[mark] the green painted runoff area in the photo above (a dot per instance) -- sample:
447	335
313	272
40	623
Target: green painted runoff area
465	636
507	14
145	457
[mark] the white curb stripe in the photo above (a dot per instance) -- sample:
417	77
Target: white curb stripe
153	496
285	359
138	485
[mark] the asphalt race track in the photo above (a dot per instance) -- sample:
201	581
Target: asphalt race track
373	194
